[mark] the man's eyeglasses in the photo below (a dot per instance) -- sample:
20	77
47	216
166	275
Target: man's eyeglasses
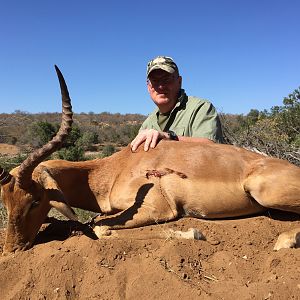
161	81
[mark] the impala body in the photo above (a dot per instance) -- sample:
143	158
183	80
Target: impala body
134	189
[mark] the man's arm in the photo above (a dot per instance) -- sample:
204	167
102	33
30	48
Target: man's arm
151	137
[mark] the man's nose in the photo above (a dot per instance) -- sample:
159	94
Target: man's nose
161	85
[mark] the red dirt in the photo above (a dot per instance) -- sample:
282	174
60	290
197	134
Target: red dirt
236	262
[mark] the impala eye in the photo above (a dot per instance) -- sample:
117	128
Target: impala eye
34	204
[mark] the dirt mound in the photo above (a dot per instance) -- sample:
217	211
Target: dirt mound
10	150
235	262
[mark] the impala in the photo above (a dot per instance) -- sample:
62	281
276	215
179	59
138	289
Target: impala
134	189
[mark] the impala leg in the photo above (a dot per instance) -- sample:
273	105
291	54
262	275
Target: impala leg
277	186
150	207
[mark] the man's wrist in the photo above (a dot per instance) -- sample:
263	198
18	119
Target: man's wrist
172	135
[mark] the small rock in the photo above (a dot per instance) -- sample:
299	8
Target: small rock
269	296
272	278
214	242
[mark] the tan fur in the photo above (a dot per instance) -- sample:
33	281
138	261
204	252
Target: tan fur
173	180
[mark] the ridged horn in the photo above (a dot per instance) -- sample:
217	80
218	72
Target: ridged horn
24	179
4	176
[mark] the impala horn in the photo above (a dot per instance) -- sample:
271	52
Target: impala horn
4	176
24	177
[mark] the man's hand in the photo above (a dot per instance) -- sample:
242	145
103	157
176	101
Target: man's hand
151	137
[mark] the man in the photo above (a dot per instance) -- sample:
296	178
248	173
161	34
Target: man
178	117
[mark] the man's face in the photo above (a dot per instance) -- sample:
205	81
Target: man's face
164	88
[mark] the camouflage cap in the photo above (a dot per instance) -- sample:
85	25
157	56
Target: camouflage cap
162	62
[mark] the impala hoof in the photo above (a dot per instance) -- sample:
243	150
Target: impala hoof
102	231
289	239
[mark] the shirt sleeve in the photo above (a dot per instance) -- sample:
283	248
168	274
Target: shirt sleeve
206	123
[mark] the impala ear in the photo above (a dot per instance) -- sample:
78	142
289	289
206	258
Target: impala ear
55	196
57	201
64	209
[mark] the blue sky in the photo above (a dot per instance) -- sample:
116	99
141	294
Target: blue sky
238	54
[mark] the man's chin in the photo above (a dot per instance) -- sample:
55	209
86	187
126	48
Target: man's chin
162	99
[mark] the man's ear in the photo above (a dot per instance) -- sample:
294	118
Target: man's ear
148	86
55	196
180	80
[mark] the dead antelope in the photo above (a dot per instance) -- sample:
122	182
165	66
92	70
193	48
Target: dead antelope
173	180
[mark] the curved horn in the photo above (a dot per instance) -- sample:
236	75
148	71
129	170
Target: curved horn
26	168
4	176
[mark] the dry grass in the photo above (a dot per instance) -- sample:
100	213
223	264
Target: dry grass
3	216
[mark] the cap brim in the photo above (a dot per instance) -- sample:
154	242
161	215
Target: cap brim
165	68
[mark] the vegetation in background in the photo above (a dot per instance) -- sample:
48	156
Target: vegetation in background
275	132
3	216
108	150
9	163
84	216
41	132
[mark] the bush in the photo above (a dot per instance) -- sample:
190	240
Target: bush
72	153
41	132
108	150
275	133
87	140
9	163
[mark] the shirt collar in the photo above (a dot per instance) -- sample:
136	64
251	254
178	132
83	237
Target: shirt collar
181	99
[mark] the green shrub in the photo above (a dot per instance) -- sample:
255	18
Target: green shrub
108	150
72	153
41	132
9	163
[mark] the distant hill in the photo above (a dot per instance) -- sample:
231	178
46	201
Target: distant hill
15	127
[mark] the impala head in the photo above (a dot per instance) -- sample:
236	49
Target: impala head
29	198
26	208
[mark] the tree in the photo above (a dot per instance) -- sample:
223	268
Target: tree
288	117
41	132
253	116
